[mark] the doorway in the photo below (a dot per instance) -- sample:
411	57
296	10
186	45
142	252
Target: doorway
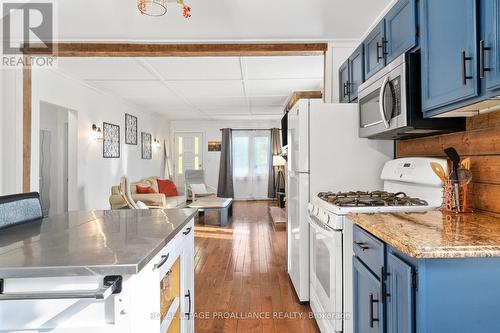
251	160
54	158
188	154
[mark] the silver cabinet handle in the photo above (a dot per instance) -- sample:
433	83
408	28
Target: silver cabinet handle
162	261
381	102
112	285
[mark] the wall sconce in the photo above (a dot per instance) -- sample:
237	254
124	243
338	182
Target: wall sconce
156	143
96	133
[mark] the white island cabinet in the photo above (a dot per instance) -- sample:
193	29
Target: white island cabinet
159	297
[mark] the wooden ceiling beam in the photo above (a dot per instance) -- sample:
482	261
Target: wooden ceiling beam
179	50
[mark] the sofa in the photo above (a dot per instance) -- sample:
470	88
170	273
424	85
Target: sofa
151	199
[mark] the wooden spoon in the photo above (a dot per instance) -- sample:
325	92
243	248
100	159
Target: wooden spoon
439	171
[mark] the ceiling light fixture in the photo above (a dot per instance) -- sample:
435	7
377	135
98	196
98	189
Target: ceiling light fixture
159	7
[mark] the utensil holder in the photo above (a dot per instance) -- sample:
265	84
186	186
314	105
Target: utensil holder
449	197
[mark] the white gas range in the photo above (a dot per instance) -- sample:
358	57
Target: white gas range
409	186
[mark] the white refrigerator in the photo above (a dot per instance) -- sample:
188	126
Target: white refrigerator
325	154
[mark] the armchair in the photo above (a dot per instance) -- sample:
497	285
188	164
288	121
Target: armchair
196	187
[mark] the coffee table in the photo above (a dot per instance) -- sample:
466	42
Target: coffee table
224	206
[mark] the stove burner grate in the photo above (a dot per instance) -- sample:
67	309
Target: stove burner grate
370	199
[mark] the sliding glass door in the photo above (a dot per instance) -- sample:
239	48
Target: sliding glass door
251	164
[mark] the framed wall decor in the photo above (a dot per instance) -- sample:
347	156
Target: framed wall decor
130	129
111	140
147	153
214	145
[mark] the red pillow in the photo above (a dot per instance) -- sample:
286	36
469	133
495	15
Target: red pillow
167	187
145	189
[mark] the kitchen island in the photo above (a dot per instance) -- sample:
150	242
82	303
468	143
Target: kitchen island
426	272
105	271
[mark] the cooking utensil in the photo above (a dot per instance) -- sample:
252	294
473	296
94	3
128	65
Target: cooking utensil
463	176
455	159
465	163
439	171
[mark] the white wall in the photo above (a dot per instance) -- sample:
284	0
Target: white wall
211	131
11	145
95	175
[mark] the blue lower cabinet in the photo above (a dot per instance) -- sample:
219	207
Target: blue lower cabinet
368	306
400	296
489	47
449	52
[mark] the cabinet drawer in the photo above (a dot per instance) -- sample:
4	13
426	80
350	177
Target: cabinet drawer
369	250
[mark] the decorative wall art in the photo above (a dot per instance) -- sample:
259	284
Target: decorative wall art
146	146
111	140
214	145
130	129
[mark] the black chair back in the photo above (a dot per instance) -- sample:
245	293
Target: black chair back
19	208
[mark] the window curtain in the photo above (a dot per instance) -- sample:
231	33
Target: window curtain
225	188
275	149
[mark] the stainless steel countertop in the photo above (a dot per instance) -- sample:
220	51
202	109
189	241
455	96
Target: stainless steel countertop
118	242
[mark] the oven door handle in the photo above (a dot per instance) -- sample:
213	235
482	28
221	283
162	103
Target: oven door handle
315	222
381	101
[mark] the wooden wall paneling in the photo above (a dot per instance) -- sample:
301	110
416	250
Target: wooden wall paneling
27	92
480	142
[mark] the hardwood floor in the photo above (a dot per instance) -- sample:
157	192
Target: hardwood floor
241	278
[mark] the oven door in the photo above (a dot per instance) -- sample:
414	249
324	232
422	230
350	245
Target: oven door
326	273
382	101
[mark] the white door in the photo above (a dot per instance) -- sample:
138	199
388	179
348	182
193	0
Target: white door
188	154
251	164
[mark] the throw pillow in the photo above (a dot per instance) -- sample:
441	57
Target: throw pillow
199	189
145	190
167	187
141	205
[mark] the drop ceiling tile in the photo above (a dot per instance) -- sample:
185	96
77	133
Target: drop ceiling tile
182	114
209	88
268	100
228	110
197	68
158	104
218	102
281	87
290	67
131	89
104	68
267	110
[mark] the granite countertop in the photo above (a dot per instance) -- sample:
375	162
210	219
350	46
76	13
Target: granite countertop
118	242
435	234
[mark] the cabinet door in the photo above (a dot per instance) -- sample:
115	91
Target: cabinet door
344	82
400	28
368	308
187	261
356	73
449	45
400	296
490	44
374	50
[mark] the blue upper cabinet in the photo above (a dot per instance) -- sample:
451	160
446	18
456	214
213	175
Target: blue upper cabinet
449	52
374	47
344	82
368	307
489	46
400	296
400	28
356	73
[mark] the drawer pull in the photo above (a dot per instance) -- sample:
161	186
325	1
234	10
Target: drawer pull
372	318
362	246
188	230
465	77
162	261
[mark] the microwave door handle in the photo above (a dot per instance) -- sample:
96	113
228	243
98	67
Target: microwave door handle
381	101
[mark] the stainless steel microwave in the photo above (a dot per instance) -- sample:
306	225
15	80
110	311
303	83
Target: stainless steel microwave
390	104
